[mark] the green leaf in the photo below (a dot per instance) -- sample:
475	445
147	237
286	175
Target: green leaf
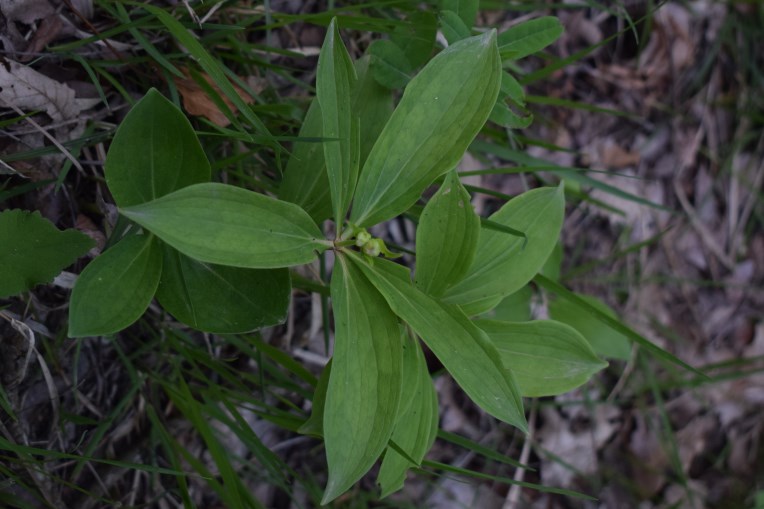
335	80
513	308
553	264
446	238
315	423
220	299
364	385
416	427
464	350
305	181
154	152
615	324
428	132
481	306
116	288
227	225
466	9
505	263
547	358
504	116
416	37
521	158
512	89
529	37
34	251
389	64
373	104
453	27
603	339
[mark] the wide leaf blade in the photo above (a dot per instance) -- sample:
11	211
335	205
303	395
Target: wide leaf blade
116	288
529	37
464	349
227	225
389	64
335	80
437	118
614	323
416	37
364	384
466	9
603	339
33	251
547	357
305	181
446	238
221	299
505	263
314	425
453	27
154	152
373	104
416	427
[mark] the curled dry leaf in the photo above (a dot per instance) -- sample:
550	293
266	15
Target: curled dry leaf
197	102
23	87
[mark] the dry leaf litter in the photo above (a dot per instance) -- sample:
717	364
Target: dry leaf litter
646	436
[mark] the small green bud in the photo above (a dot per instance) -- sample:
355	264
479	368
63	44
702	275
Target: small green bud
373	247
362	238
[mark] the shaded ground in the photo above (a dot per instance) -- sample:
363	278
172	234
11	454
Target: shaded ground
683	129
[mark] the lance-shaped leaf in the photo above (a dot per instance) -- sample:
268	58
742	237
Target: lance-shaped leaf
416	37
116	288
221	299
373	104
441	111
513	308
466	9
604	340
464	349
34	251
529	37
305	181
154	152
416	427
335	80
409	369
315	423
227	225
547	358
446	237
389	64
505	263
512	89
453	27
364	384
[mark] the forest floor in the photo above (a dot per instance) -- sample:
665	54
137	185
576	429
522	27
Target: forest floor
675	117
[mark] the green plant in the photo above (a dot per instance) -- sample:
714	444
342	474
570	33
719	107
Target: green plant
216	256
34	250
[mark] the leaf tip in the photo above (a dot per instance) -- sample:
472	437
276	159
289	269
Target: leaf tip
332	491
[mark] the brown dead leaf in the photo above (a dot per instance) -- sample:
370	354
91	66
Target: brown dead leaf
197	102
613	155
